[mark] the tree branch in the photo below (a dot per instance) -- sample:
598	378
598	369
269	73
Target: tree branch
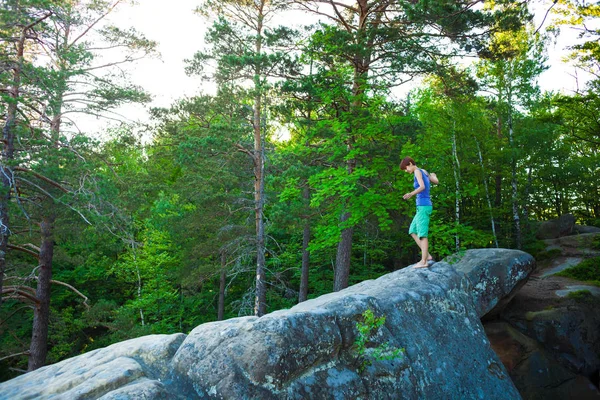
126	60
34	23
244	150
31	252
13	313
55	199
19	293
16	355
45	179
100	18
85	299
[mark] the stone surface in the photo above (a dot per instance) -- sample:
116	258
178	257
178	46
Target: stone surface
593	290
581	229
568	328
496	277
534	370
575	245
558	264
556	228
141	389
309	351
99	372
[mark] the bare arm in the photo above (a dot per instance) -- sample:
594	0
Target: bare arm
421	187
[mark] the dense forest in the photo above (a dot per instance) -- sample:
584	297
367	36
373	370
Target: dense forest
207	214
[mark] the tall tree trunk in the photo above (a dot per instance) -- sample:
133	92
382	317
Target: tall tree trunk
8	137
222	281
526	201
139	277
456	169
498	199
343	256
515	204
303	294
362	64
344	248
260	306
39	338
487	194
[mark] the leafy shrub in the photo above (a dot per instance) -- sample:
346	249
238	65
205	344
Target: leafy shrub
586	271
547	255
596	242
537	248
443	238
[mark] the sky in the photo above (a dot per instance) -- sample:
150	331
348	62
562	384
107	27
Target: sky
180	32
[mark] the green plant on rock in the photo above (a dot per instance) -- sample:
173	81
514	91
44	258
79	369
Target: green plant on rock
596	242
367	328
586	271
547	254
456	257
539	250
582	296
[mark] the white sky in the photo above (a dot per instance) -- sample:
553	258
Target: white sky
180	32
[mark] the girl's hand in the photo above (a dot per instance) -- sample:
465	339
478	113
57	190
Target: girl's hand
433	178
407	196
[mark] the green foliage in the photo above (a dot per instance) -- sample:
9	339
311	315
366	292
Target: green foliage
169	215
443	238
596	242
586	271
367	329
539	252
583	296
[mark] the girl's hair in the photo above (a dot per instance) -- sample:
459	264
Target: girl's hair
406	162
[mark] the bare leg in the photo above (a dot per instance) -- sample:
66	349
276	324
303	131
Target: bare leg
416	238
423	244
424	250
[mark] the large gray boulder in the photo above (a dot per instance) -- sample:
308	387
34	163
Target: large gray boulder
568	327
583	229
561	314
136	363
535	372
584	245
556	228
310	351
496	277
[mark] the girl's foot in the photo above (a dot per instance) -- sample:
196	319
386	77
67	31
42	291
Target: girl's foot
420	265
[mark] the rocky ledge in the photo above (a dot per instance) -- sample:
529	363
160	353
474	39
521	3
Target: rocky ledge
435	343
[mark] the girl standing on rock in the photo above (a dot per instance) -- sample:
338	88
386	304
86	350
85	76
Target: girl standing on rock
419	228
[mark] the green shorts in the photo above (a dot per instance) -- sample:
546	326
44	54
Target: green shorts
420	223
